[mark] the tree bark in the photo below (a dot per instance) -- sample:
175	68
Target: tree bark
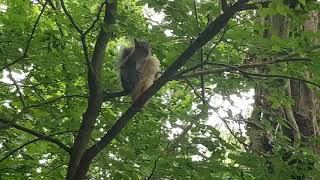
96	95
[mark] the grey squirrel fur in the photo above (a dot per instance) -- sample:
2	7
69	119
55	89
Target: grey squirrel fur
131	61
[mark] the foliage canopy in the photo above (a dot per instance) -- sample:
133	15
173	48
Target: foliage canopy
44	90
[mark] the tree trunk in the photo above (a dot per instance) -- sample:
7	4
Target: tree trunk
302	116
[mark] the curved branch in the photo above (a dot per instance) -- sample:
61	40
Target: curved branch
17	149
40	137
267	75
154	168
236	67
44	137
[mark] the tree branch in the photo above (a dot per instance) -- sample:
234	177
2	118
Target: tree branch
40	137
21	96
38	134
17	149
50	101
237	67
267	75
154	168
82	35
253	6
111	95
184	74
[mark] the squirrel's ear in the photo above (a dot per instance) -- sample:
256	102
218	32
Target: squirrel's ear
136	43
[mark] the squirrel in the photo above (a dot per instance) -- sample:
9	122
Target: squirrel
138	68
131	61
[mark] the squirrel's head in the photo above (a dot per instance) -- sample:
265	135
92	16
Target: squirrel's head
142	46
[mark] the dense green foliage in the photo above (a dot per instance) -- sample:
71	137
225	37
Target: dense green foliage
171	137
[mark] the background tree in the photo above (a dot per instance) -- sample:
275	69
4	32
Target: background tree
64	114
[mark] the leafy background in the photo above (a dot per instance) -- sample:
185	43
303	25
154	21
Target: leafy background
171	137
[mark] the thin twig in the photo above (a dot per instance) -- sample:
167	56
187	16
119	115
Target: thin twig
266	75
21	96
29	40
37	134
73	22
42	98
154	168
50	101
96	20
17	149
207	57
246	66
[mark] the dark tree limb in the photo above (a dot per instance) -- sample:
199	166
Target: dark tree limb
253	6
224	5
82	35
212	30
96	94
154	168
188	73
112	95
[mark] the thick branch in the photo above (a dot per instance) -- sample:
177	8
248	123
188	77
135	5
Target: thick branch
212	30
111	95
